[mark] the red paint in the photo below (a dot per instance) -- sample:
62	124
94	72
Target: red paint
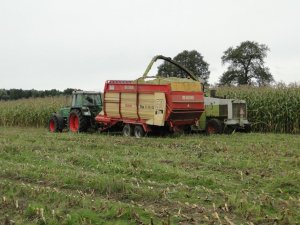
211	129
74	123
52	125
183	108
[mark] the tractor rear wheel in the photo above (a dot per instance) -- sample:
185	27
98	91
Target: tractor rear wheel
213	126
53	124
127	130
139	131
77	122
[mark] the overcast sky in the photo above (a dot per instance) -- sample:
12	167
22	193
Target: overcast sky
80	44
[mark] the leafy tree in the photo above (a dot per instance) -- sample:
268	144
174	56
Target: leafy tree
192	60
246	65
69	91
3	94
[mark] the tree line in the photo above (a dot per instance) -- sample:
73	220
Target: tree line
246	65
14	94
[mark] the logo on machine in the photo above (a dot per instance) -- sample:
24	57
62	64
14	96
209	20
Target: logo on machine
188	97
146	106
129	87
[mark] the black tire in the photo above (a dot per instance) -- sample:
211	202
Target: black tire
139	131
77	122
229	129
187	129
127	130
213	126
247	128
53	124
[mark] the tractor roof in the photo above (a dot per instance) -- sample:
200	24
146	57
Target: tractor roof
87	92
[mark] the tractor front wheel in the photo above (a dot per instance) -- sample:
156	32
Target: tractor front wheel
53	124
77	122
213	126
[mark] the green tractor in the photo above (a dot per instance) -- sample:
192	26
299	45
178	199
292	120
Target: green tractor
223	116
79	117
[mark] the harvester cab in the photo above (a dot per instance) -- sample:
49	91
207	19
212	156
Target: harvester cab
223	115
78	117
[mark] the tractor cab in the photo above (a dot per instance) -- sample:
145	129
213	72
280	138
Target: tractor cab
89	102
86	99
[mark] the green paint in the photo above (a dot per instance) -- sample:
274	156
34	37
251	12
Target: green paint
202	121
212	110
64	112
90	101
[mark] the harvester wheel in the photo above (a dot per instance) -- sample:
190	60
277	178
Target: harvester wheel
139	131
53	124
247	128
213	126
127	130
229	129
77	122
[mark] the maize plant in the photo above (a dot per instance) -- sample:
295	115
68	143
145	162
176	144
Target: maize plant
270	109
33	112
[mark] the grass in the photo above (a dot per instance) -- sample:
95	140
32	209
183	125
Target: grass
66	178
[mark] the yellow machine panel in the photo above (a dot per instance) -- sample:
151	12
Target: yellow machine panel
159	109
112	104
186	86
146	106
151	107
128	105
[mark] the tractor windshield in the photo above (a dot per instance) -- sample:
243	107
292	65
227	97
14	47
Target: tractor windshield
91	100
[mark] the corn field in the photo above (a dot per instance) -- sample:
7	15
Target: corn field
270	109
33	112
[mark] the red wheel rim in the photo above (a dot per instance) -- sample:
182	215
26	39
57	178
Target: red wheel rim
211	129
52	125
74	123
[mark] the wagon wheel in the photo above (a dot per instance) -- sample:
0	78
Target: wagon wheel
127	130
139	131
213	126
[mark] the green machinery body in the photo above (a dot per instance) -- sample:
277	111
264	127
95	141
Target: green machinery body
80	115
223	115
